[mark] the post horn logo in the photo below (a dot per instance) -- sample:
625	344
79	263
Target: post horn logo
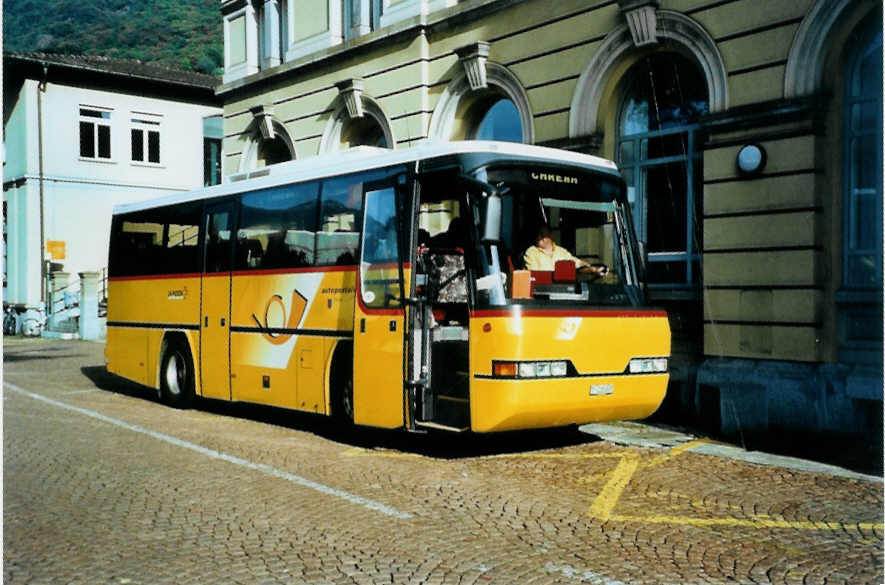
277	327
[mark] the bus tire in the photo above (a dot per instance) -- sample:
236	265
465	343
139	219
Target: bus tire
342	387
177	375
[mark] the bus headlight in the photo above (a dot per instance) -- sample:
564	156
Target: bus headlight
647	365
545	369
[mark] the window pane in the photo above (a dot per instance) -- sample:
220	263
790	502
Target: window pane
501	122
862	271
626	155
866	215
87	139
869	78
94	113
182	239
864	115
211	162
153	147
865	159
137	144
278	228
673	272
634	117
665	90
666	216
104	141
218	242
340	219
379	270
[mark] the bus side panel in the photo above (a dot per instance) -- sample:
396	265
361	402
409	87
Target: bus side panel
600	347
279	322
139	311
126	351
172	301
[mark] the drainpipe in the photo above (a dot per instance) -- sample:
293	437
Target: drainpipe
41	87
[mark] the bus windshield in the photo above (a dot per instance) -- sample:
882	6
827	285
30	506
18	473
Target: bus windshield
588	220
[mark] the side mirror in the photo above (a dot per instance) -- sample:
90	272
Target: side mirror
491	229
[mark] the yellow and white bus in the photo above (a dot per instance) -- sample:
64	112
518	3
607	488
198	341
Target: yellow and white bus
386	288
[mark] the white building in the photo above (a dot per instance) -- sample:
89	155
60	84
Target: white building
83	134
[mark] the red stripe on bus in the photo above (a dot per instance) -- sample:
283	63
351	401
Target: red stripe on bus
302	270
153	277
561	313
258	271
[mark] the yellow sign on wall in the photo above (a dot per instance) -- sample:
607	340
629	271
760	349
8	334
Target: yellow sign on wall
56	249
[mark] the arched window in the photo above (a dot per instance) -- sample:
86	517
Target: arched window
497	120
862	237
259	151
363	131
860	296
658	151
271	152
371	128
499	111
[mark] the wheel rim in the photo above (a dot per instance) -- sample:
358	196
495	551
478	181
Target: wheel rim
175	374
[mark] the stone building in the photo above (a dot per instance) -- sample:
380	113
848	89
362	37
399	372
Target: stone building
749	134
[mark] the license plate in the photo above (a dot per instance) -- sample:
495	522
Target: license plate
601	389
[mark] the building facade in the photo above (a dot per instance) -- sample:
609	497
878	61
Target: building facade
82	134
749	135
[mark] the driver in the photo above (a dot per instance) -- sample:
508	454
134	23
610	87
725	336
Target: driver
545	254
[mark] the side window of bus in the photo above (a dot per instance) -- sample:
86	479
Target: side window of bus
340	218
138	245
218	241
277	228
182	240
156	241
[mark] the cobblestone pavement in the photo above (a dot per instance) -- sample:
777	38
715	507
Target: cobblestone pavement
103	484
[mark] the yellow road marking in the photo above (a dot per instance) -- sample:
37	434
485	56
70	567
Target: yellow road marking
675	451
752	522
561	455
608	498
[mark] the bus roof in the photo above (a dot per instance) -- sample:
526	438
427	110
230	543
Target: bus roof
363	158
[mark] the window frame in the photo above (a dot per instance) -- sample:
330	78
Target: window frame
146	124
104	120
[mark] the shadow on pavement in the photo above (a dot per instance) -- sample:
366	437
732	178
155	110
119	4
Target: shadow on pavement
436	444
105	380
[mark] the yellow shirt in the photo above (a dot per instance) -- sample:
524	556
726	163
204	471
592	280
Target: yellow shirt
536	259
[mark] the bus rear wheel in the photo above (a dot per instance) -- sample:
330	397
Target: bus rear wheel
342	386
177	376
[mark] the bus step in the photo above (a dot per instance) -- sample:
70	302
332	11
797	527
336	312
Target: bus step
437	426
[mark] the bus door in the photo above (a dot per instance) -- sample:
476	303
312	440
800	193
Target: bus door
378	315
215	305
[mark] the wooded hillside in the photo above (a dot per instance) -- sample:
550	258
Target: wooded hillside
178	33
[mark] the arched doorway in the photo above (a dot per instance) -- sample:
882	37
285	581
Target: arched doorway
659	153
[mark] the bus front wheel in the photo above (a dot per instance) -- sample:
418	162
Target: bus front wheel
177	375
